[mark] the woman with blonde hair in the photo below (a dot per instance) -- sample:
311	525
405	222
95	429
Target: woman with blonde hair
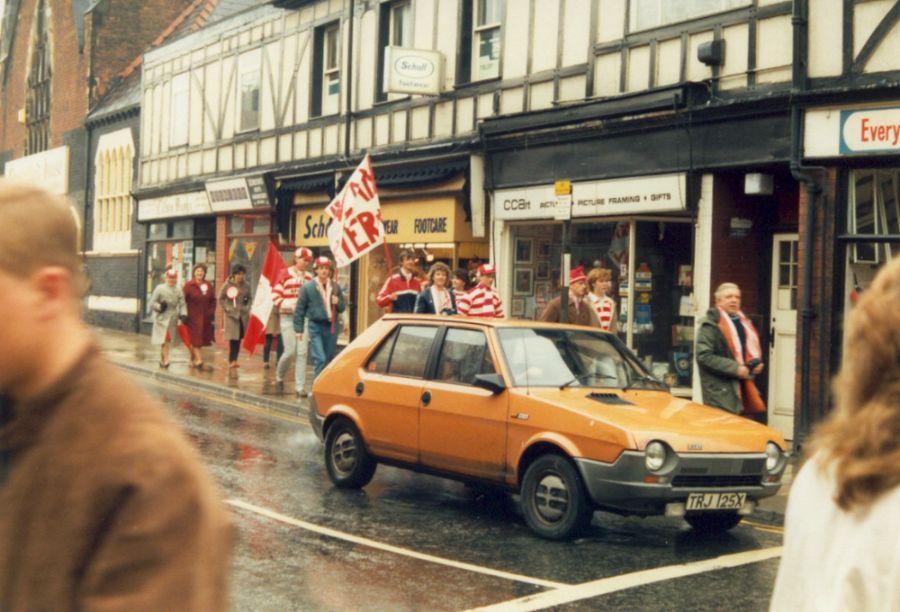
437	297
599	281
842	538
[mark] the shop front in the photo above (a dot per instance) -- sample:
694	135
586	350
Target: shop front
641	229
430	220
181	232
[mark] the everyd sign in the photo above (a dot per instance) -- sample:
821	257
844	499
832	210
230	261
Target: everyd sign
356	228
863	131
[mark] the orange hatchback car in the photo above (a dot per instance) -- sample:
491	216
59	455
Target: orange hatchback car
565	416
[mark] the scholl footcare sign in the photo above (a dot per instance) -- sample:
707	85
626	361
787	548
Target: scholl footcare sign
870	131
413	71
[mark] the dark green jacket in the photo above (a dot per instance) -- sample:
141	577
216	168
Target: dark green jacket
718	369
311	308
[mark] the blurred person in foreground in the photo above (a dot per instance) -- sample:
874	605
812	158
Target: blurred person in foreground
104	504
842	526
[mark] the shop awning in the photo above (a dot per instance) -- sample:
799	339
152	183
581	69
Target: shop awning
309	184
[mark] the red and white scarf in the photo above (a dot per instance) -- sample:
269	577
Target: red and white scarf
750	397
325	292
441	299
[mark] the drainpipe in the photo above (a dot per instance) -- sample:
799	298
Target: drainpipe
348	124
805	175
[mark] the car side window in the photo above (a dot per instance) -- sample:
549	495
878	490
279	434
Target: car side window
379	361
411	349
464	355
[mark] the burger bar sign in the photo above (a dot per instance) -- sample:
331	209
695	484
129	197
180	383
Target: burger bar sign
412	71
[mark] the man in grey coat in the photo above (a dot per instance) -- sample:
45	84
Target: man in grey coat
728	363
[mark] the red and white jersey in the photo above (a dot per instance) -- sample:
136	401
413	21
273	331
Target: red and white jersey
605	309
287	289
406	288
480	302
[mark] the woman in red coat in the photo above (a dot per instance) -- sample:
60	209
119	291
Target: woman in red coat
201	308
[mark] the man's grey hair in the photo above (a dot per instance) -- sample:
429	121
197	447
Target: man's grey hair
725	287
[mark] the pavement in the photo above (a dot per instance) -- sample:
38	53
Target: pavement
252	384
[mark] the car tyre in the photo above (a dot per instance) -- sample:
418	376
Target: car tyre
349	464
554	502
713	522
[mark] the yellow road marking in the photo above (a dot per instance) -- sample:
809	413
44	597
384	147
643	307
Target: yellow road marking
184	388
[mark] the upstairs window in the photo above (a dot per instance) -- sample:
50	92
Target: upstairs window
249	90
326	86
395	30
647	14
479	56
113	177
178	110
37	93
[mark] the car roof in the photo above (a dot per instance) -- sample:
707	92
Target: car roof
486	322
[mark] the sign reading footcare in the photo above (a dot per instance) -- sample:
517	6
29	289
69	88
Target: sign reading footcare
413	71
864	131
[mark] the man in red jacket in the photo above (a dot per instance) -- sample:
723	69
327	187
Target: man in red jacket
401	289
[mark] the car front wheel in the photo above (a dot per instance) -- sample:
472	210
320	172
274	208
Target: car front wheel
713	522
348	462
554	502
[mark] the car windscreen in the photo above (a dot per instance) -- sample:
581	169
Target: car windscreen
548	357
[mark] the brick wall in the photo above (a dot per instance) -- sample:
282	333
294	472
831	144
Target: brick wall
824	292
113	276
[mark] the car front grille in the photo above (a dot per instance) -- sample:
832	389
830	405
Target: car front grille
716	481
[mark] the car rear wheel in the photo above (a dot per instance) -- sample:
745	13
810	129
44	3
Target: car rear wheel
554	502
348	462
713	522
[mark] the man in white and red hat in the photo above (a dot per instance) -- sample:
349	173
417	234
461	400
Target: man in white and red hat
580	310
482	300
317	317
284	297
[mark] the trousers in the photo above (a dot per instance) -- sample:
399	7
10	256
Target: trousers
322	345
292	350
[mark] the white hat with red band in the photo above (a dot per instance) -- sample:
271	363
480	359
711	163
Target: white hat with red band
303	253
486	270
322	261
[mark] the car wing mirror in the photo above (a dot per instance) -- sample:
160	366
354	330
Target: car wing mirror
492	382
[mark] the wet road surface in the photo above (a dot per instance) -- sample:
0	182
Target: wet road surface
415	542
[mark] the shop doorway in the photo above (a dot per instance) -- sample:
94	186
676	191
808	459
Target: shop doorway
783	333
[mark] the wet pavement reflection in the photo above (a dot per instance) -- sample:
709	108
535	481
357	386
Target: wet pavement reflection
277	464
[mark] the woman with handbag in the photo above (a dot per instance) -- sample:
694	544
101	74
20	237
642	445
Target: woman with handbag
167	306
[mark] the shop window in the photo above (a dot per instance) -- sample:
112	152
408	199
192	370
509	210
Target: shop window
646	14
395	30
113	176
480	31
178	105
37	92
410	354
464	355
248	241
180	245
873	227
249	90
326	85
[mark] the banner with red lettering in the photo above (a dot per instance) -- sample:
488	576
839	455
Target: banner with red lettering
356	226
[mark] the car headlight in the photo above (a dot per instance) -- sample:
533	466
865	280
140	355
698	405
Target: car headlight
655	455
773	456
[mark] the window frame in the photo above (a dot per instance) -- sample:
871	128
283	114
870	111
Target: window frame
478	29
321	71
633	11
249	64
386	32
433	374
436	341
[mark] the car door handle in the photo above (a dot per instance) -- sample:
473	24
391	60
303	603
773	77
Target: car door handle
426	398
360	387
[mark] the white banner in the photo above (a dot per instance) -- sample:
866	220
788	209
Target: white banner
357	227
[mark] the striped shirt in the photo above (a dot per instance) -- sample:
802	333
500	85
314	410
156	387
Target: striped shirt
287	289
480	302
605	309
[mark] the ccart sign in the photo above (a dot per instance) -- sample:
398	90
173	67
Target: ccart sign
413	71
639	195
872	130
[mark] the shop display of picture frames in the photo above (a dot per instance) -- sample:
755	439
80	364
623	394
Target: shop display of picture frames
524	282
542	270
523	250
518	307
543	248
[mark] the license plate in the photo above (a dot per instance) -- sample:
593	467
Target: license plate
715	501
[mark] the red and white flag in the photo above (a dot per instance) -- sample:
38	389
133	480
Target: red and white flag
356	226
262	299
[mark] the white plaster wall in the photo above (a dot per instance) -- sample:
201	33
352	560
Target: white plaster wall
668	61
576	32
826	37
546	35
774	45
515	40
638	75
606	74
734	71
611	20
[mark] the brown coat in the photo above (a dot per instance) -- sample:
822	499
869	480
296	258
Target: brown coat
236	311
107	506
583	316
201	310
